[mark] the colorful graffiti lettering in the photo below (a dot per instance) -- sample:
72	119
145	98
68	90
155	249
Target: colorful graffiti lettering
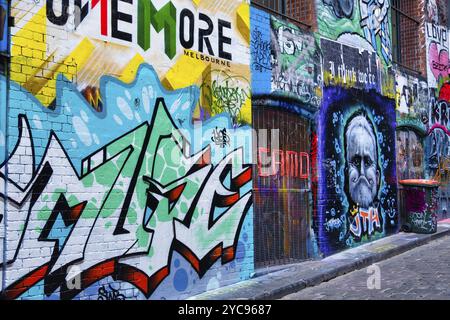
223	93
437	54
137	196
285	163
365	223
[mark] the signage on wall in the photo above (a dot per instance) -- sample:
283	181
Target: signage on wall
141	22
349	66
3	26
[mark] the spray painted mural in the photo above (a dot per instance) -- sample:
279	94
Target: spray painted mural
115	189
410	155
361	23
285	61
357	179
84	40
3	26
411	100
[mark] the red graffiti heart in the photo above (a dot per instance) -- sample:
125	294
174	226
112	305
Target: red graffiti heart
439	61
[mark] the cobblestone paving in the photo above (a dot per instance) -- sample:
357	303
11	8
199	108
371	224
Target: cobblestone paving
420	274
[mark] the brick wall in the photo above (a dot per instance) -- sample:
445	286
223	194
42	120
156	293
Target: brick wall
412	35
303	10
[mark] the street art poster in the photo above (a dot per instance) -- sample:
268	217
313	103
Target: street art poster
362	23
122	183
3	26
285	62
349	66
357	178
411	99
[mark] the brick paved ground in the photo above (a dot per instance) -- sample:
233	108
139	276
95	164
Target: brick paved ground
422	273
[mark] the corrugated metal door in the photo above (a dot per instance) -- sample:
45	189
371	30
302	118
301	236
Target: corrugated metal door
281	187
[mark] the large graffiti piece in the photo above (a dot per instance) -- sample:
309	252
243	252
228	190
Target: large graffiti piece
357	179
184	40
285	61
411	100
128	196
363	23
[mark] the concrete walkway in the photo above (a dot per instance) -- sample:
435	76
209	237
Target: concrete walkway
293	278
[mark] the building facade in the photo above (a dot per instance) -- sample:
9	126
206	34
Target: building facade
156	149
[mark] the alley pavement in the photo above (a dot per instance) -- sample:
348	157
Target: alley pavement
412	266
422	273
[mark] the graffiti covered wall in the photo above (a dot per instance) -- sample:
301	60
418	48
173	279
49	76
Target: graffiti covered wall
129	150
437	143
357	178
411	100
357	186
365	24
287	94
285	61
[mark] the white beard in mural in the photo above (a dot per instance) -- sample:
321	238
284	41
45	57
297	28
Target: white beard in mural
361	157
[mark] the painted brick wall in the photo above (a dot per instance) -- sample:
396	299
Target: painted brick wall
129	150
357	199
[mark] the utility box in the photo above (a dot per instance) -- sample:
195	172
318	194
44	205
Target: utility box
419	205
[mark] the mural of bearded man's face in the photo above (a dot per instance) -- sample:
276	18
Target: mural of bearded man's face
361	150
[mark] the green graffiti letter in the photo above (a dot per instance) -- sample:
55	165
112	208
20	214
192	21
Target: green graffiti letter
165	19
